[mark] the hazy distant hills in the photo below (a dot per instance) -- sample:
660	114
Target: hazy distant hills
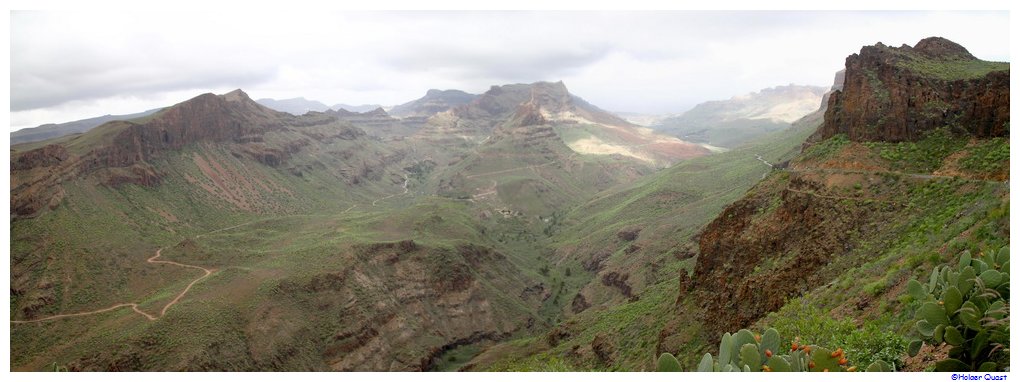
532	148
300	105
296	106
720	123
644	119
356	108
743	118
434	101
54	130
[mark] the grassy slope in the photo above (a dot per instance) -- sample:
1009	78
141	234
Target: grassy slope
946	69
294	222
131	222
727	134
945	216
109	232
862	307
253	260
538	178
697	190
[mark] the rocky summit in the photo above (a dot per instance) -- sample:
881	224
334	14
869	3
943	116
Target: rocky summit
898	94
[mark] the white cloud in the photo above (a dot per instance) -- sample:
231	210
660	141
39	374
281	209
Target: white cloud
67	65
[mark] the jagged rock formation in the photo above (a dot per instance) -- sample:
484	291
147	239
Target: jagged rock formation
898	94
799	231
837	84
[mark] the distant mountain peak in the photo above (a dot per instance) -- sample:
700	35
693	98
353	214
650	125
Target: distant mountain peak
435	101
237	95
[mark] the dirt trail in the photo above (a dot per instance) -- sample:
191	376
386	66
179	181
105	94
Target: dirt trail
406	179
134	306
509	170
488	191
898	173
152	260
771	166
59	316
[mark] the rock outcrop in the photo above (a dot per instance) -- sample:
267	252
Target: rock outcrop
794	233
898	94
45	156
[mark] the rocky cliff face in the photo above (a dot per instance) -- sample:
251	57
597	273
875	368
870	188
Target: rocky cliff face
753	261
800	230
208	117
898	94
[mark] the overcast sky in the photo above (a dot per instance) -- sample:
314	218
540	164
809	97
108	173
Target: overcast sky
68	66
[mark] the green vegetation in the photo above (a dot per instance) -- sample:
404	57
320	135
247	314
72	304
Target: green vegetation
517	256
699	188
825	149
967	307
924	156
951	70
749	352
947	69
988	156
873	342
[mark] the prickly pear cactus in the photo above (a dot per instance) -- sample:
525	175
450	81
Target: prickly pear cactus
967	307
667	362
747	351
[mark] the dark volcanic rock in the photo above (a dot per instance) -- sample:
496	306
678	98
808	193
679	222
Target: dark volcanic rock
45	156
898	94
579	304
805	231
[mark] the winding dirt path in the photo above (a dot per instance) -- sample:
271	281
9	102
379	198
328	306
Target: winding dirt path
898	173
59	316
490	190
510	170
134	306
762	160
153	260
406	179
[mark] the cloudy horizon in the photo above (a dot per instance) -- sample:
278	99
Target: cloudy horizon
68	66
